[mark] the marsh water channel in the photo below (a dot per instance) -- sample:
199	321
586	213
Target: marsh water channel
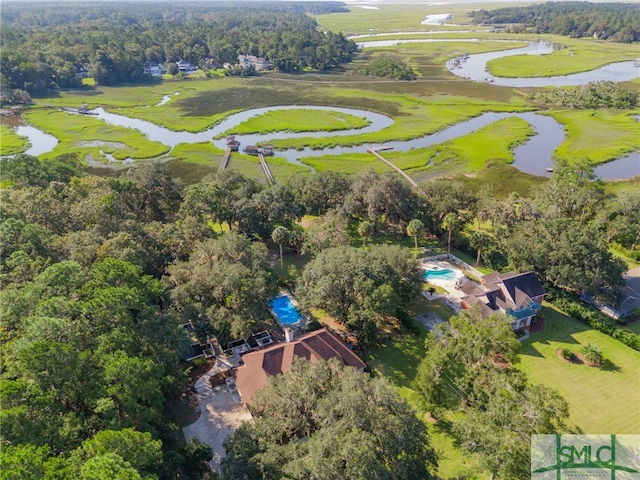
534	156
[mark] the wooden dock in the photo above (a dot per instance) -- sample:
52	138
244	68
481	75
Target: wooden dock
401	172
225	159
265	168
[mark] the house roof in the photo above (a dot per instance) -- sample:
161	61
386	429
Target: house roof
524	283
515	289
275	359
503	291
473	301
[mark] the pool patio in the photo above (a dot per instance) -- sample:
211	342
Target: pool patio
448	282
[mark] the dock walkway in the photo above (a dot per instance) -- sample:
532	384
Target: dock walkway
406	177
225	159
265	168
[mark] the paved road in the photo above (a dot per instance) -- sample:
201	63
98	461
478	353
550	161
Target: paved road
633	279
221	413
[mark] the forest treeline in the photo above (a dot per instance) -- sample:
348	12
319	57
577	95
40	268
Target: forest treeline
98	274
619	22
44	44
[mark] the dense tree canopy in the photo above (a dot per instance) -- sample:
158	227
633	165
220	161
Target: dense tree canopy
360	288
594	95
388	66
384	200
619	22
325	421
226	282
468	367
84	350
98	273
44	45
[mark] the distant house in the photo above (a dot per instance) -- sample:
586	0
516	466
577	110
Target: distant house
258	63
315	346
211	64
154	69
519	295
185	66
627	298
82	70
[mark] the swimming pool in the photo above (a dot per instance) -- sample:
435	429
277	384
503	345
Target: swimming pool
440	274
285	311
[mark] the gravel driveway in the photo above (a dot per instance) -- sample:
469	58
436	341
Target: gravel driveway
221	413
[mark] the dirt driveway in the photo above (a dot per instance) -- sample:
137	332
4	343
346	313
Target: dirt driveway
221	413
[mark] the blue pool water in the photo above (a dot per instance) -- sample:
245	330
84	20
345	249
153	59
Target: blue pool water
441	274
285	310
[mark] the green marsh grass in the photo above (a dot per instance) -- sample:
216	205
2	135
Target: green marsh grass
86	135
10	142
189	172
612	391
501	180
417	117
618	186
467	154
599	135
349	164
436	100
587	55
299	120
281	169
204	153
386	18
394	17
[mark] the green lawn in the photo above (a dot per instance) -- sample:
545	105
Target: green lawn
396	358
600	400
605	400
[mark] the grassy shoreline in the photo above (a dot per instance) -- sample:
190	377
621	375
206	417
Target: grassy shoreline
10	142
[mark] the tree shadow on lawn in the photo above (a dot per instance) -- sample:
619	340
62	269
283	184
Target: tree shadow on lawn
397	357
445	427
559	328
609	366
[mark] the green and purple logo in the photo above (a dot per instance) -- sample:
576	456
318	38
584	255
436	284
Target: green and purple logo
559	457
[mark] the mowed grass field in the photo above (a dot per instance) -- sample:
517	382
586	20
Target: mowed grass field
601	400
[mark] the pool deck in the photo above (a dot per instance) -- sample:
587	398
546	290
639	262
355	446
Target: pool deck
448	284
453	295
